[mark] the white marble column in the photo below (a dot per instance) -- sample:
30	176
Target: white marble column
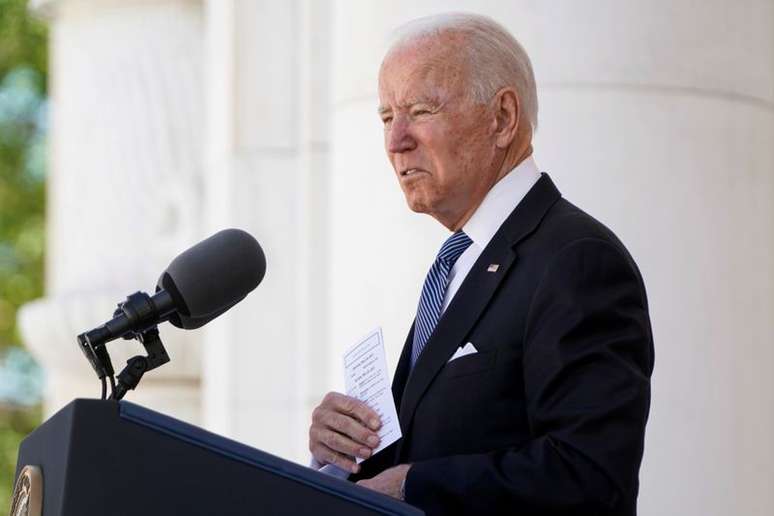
124	185
266	154
657	118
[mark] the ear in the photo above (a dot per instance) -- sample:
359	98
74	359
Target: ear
507	111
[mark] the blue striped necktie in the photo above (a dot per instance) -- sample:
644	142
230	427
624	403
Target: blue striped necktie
434	290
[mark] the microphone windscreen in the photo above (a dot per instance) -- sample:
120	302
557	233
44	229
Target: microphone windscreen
212	276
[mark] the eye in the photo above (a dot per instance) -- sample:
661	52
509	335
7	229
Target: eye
386	120
420	112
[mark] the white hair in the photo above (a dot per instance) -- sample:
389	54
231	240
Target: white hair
495	58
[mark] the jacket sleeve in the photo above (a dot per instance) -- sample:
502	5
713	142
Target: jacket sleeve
587	359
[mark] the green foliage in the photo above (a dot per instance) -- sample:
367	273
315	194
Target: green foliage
22	197
23	61
23	40
23	70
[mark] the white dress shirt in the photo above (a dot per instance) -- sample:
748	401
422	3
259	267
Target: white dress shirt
488	217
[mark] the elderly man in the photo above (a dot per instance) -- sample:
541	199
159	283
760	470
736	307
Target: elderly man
524	384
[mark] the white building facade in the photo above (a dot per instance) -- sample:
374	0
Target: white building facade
172	119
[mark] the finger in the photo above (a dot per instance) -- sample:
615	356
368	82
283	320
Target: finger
315	441
351	428
338	459
343	444
322	441
357	409
341	423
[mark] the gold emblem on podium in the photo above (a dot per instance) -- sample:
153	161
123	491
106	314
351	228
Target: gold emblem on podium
28	493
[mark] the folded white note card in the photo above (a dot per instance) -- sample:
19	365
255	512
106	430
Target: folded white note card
367	379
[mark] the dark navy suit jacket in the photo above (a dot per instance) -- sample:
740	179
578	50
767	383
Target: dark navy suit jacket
548	418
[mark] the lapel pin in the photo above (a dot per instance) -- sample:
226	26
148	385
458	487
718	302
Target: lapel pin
493	267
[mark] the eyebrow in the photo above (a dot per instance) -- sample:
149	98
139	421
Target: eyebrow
433	101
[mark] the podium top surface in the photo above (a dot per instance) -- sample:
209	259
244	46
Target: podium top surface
259	459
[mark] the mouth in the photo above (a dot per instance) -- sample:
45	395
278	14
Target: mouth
408	172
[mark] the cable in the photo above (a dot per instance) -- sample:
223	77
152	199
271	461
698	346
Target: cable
112	387
104	388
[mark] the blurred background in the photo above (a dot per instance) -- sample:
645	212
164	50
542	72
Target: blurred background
131	129
23	101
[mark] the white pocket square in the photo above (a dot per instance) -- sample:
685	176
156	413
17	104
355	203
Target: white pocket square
467	349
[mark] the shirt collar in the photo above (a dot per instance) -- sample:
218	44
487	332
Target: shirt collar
500	201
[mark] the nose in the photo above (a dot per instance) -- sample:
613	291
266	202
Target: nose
398	136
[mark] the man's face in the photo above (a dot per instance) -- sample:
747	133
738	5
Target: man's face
438	140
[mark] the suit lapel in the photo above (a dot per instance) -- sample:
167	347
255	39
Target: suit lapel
468	304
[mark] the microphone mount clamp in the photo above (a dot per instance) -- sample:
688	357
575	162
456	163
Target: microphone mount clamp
138	310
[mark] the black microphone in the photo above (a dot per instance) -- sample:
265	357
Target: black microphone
198	285
211	277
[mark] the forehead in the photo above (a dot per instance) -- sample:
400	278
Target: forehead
428	68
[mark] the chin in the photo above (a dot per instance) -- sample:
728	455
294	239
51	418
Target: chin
416	205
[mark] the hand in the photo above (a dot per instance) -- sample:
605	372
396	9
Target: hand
343	428
388	481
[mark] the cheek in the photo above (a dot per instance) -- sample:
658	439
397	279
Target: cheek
452	154
439	146
471	146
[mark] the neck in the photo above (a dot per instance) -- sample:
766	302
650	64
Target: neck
511	159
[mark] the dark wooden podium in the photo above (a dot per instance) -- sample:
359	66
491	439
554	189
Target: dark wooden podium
100	458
